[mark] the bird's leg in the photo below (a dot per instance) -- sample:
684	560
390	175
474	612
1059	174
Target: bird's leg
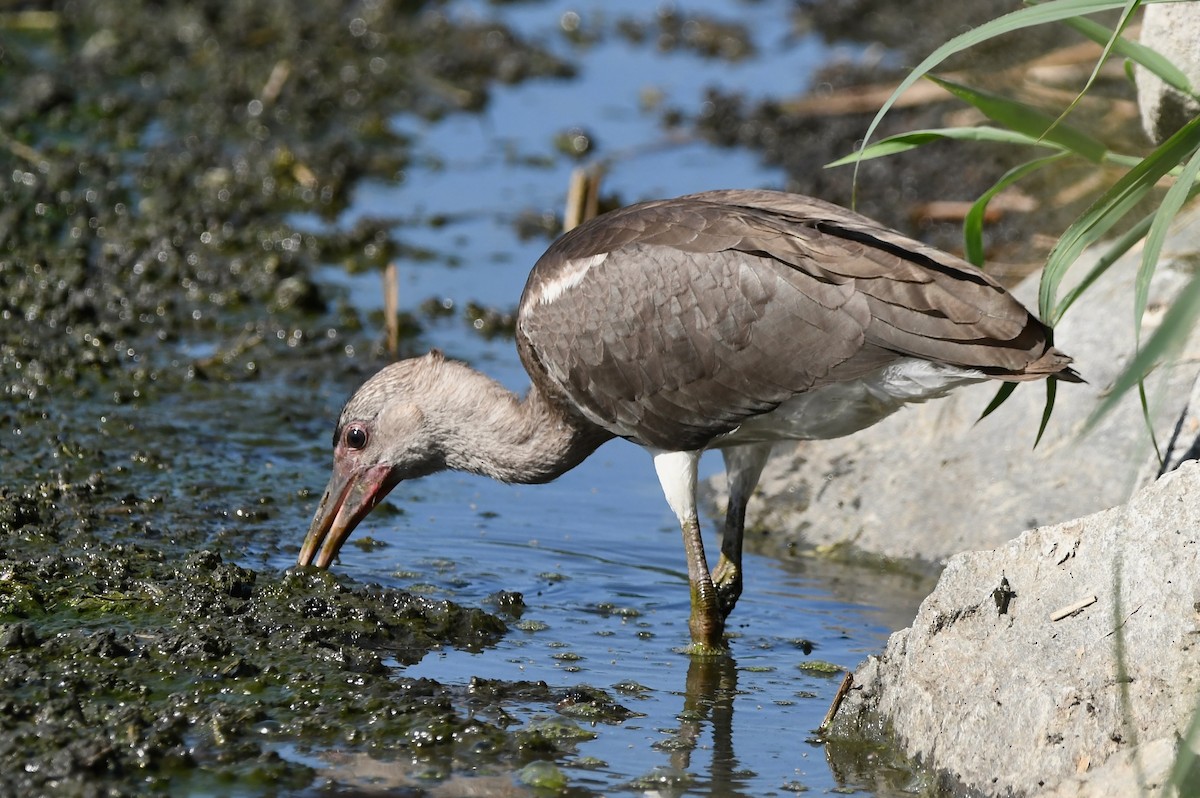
677	475
743	467
706	623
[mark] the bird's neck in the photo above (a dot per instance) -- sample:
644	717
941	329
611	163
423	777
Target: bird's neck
488	430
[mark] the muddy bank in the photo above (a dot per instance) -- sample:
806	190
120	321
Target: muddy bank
163	340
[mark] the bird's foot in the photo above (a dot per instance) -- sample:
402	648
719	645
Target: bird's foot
706	623
727	581
697	649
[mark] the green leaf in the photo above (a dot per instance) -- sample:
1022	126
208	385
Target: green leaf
1114	252
1177	195
1048	410
1148	420
1006	389
1023	118
1002	394
973	222
1136	52
1184	770
1109	209
918	138
1176	324
1131	6
1041	14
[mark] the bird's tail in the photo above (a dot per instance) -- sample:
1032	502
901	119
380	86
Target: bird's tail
1052	363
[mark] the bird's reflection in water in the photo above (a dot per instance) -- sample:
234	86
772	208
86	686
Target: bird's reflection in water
708	697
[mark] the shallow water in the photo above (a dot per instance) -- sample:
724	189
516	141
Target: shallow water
599	565
597	554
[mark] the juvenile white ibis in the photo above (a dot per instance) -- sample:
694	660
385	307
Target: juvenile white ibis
723	320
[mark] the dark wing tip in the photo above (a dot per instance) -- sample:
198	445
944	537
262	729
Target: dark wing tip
1051	364
1069	375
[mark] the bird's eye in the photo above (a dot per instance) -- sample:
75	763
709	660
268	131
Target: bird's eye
356	437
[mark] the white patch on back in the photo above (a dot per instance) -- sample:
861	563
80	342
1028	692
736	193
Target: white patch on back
841	408
677	475
571	276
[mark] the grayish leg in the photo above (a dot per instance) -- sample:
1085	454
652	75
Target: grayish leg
743	467
677	474
706	623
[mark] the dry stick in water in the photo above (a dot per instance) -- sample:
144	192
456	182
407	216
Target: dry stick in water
583	196
847	683
391	309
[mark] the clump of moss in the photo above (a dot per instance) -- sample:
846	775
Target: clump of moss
119	662
156	159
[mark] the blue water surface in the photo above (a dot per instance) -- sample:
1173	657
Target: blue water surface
597	554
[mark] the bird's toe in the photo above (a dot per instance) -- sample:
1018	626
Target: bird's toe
727	580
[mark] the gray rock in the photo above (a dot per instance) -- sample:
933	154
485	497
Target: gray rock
1021	703
930	481
1172	29
1143	770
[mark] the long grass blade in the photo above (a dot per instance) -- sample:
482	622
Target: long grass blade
918	138
1177	322
1148	420
1048	410
1136	52
1185	776
1131	7
1109	209
1023	118
973	221
1177	195
1002	394
1041	14
1114	252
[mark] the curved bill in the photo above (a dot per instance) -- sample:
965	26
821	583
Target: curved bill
349	498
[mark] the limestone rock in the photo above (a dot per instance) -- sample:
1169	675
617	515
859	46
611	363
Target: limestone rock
1172	29
1035	698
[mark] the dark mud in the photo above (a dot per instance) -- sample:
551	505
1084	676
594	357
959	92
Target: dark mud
164	346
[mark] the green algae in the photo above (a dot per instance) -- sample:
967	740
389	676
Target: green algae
154	286
543	776
233	660
820	667
155	155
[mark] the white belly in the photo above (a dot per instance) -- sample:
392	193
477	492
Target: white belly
832	411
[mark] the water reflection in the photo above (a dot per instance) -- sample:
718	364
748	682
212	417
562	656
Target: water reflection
699	756
708	700
597	558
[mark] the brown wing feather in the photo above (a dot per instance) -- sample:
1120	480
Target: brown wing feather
708	309
928	303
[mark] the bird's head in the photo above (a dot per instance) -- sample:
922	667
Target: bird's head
382	438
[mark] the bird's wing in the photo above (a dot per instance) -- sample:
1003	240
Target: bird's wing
924	302
671	322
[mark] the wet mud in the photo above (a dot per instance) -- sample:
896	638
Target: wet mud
161	336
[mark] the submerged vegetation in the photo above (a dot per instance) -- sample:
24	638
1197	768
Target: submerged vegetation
153	287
